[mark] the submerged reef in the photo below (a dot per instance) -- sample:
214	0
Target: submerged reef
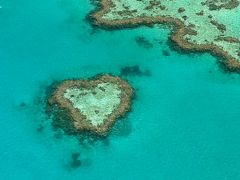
205	25
90	105
143	42
133	71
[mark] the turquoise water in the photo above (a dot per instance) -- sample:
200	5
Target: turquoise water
184	123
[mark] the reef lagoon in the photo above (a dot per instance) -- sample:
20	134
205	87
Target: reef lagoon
184	121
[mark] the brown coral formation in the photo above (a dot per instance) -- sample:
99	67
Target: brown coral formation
219	4
220	27
178	33
75	117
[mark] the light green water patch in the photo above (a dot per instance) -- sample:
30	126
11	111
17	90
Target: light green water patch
97	103
207	23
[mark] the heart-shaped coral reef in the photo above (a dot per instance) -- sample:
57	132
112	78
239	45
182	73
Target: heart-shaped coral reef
94	104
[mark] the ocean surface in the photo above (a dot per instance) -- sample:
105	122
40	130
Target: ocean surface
185	118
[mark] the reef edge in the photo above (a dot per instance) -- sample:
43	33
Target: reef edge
178	31
62	109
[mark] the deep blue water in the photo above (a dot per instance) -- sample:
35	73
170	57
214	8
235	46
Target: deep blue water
184	123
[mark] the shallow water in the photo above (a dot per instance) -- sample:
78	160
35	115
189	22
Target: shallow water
184	122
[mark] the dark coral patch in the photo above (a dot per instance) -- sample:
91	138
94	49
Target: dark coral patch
23	104
165	53
134	71
143	42
40	128
75	162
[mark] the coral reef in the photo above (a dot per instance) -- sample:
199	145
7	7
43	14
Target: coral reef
197	25
134	71
91	105
143	42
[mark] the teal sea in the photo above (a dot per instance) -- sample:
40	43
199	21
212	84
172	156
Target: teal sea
185	118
